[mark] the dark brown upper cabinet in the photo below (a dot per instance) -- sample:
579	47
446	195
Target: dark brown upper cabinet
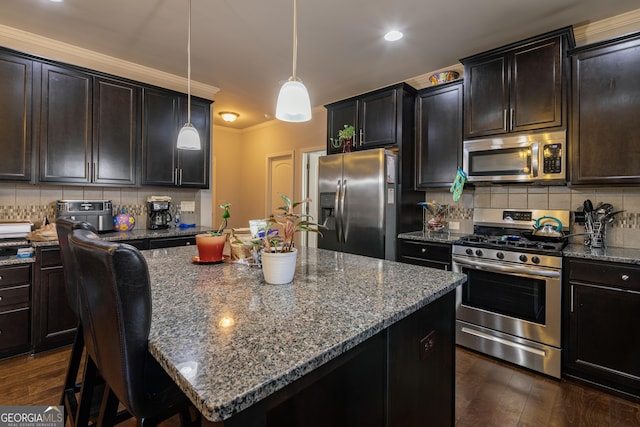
438	135
164	113
65	125
89	131
379	118
116	132
605	101
15	122
520	87
340	114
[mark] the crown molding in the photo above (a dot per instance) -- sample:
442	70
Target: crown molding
607	28
34	44
587	33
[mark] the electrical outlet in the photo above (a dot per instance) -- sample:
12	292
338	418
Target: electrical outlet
454	225
187	206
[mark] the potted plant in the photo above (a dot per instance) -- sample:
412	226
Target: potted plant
345	138
278	252
211	244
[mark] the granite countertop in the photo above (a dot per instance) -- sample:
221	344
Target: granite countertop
432	236
229	339
14	260
141	233
629	256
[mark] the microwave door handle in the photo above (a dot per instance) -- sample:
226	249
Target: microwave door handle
535	165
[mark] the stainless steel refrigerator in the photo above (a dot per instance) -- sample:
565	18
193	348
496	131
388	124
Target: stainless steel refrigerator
357	193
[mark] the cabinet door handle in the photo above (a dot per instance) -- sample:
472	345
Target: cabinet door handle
0	298
625	277
571	302
95	173
175	176
1	277
180	182
504	119
511	119
361	137
423	250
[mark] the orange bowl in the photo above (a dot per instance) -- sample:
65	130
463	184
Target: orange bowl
443	76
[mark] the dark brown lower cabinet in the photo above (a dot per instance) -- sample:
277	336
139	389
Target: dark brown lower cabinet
403	376
172	242
602	338
15	304
427	254
54	323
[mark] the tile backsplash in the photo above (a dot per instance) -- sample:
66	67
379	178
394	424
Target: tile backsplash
37	202
623	232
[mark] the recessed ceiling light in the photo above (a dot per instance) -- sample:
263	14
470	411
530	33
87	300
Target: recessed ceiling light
56	1
393	35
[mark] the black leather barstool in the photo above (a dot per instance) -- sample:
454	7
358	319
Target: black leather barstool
115	311
77	409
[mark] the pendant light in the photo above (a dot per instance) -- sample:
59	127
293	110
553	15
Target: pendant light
188	138
293	101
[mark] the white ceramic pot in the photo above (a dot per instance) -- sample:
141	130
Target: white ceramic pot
279	268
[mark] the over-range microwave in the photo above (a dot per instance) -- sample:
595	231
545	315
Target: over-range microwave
533	158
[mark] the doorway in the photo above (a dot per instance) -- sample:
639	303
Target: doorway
310	190
279	180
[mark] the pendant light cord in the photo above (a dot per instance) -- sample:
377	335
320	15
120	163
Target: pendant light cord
189	68
295	38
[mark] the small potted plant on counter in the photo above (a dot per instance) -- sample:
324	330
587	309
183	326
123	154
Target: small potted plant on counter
211	244
278	252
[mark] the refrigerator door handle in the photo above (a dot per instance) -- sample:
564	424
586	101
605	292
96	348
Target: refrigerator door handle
336	209
342	217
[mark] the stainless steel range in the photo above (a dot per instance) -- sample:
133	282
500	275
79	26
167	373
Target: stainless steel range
509	307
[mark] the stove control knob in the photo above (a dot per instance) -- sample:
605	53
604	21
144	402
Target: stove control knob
500	255
523	258
469	251
535	260
478	252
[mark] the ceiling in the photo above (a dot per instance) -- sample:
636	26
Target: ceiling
244	47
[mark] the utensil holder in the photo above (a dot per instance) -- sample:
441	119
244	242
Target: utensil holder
595	234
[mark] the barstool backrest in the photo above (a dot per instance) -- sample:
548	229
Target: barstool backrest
115	311
63	228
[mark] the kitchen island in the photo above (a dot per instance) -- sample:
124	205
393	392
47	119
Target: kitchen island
352	341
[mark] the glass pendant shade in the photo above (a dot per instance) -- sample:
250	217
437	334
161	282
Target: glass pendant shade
188	138
293	102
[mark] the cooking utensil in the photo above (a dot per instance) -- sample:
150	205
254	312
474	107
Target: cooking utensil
588	206
611	216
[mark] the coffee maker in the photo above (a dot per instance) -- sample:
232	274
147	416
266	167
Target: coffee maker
159	217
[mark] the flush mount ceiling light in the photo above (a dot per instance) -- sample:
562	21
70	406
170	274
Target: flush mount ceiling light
188	138
393	35
293	100
229	116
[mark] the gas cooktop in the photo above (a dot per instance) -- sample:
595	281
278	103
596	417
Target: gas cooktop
514	230
511	242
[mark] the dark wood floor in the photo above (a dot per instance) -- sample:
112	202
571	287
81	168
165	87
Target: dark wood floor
488	393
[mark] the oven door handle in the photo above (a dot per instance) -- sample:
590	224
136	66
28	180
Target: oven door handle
506	269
